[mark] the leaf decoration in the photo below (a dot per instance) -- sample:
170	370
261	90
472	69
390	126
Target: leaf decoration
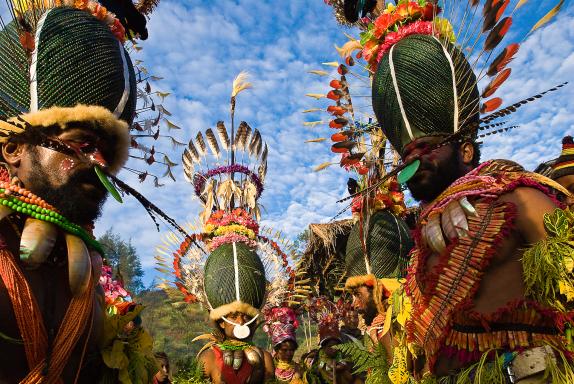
108	184
549	16
503	59
496	83
171	125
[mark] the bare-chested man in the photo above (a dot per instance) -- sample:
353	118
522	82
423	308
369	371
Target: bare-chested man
56	129
234	360
488	279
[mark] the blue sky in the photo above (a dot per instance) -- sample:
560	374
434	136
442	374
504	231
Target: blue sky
198	47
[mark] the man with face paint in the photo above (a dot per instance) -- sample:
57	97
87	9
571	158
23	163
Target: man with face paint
58	123
234	301
477	282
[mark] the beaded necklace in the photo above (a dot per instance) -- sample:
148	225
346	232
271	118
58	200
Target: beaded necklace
284	371
23	201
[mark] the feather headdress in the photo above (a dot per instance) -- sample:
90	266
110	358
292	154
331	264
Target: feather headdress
231	264
456	45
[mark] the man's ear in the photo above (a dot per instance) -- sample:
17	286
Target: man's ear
12	154
467	153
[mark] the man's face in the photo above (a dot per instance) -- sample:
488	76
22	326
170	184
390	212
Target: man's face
364	303
69	183
286	351
568	183
238	318
438	168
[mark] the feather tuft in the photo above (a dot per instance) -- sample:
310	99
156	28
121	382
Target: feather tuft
317	140
240	83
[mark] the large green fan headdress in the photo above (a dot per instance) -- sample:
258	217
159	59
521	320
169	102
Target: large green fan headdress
427	59
377	248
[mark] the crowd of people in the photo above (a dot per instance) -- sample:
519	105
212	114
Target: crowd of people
473	284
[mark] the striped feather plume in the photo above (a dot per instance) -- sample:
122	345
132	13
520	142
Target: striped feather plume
223	136
201	144
212	141
193	151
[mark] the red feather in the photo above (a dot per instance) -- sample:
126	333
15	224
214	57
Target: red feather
333	124
496	83
494	14
503	59
491	105
343	146
336	110
497	34
335	84
339	137
342	69
350	61
353	159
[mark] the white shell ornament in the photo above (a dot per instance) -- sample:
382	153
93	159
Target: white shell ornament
241	331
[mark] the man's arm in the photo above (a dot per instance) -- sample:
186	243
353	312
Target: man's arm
531	206
205	361
269	366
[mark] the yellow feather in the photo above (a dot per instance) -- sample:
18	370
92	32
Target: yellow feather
240	83
312	110
547	17
320	167
332	64
520	4
315	95
318	72
348	48
312	123
317	140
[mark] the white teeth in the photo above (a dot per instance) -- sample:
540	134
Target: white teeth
434	234
458	218
79	264
447	223
97	264
467	207
37	241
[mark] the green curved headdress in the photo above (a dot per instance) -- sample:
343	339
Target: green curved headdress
423	88
62	65
234	281
383	254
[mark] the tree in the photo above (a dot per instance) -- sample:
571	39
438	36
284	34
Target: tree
302	240
123	258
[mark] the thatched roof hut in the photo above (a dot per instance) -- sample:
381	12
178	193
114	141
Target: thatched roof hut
324	258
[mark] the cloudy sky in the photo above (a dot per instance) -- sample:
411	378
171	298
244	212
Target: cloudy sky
198	47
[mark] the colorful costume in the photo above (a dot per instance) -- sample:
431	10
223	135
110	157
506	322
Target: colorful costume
230	266
281	324
63	65
423	85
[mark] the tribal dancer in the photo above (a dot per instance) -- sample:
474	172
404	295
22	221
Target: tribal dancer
231	268
281	324
67	98
489	278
